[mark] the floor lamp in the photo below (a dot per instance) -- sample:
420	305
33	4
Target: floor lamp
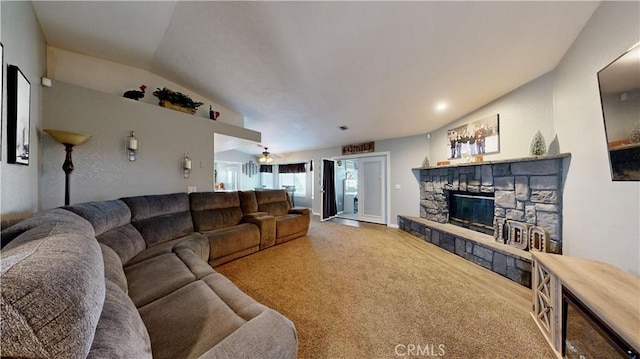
68	139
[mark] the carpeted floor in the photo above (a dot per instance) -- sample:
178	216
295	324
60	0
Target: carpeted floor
378	292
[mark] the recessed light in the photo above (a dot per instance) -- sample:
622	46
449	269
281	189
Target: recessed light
441	106
343	128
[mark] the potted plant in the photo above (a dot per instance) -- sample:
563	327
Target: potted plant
176	100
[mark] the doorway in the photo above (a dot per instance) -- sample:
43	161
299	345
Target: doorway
328	190
225	176
361	188
347	188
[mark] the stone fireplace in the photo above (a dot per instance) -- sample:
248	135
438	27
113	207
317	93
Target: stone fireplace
524	192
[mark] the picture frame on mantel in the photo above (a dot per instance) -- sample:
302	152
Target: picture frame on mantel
478	137
18	116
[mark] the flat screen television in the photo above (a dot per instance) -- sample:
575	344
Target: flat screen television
585	336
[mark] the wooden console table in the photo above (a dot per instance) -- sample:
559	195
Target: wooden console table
608	292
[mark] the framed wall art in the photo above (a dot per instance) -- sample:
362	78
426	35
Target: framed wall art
475	138
18	116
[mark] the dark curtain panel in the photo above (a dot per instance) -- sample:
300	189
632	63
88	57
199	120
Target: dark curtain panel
266	168
329	207
293	168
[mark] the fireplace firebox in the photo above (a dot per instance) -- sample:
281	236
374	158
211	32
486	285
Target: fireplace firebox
472	210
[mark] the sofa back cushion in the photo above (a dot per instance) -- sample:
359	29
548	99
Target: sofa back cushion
120	332
111	221
160	218
53	287
274	202
113	270
248	202
214	210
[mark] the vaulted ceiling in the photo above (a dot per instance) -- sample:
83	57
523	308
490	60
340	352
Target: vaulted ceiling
298	70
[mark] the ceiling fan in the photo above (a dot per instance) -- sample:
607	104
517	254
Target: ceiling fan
266	156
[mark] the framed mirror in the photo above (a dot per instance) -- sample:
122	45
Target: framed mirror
620	97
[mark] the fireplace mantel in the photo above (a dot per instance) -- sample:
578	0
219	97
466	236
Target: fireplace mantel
512	160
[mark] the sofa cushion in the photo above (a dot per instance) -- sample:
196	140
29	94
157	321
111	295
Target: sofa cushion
274	202
111	222
269	335
53	287
291	224
196	242
113	267
226	241
120	332
157	277
104	215
214	210
47	218
213	307
248	202
160	218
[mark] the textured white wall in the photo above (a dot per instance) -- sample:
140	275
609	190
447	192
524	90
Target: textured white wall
102	170
114	78
405	153
601	217
24	47
522	112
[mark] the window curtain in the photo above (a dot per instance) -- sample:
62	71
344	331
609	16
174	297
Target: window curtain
293	168
266	168
329	206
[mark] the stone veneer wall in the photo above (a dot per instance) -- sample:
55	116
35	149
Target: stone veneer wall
527	190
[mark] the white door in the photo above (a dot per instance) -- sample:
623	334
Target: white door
328	203
372	189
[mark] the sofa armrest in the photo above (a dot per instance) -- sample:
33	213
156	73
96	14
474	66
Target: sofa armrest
269	335
302	211
252	216
267	226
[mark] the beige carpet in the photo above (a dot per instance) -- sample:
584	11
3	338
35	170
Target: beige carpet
378	292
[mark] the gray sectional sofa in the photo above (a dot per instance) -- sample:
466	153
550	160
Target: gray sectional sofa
133	278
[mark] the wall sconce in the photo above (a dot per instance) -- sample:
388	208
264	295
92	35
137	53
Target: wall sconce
132	146
186	165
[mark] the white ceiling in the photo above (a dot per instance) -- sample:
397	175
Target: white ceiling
298	70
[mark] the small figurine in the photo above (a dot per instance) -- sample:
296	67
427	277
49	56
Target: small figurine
135	94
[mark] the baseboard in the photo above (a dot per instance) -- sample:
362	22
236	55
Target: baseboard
393	225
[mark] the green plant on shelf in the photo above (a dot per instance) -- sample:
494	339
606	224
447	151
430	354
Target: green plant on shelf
176	98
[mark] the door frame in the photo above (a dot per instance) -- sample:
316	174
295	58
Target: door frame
387	155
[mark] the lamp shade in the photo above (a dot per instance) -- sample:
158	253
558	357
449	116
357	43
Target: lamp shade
70	138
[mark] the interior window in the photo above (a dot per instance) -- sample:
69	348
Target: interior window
299	180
